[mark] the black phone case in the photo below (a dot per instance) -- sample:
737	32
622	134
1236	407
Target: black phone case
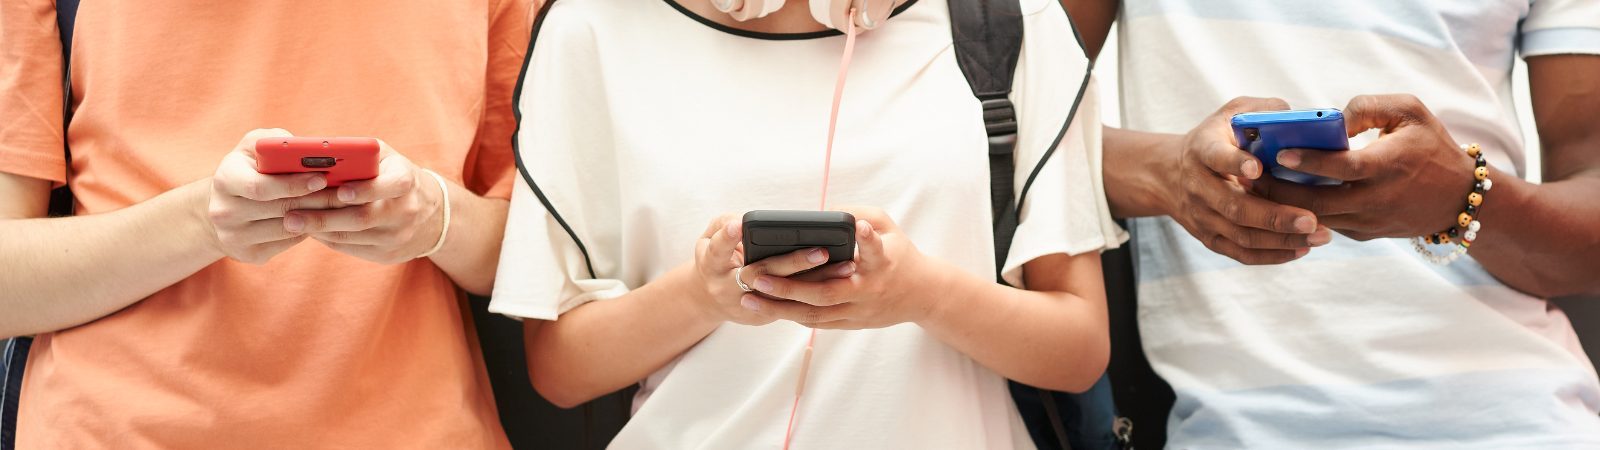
776	232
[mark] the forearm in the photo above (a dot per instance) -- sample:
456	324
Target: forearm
1055	340
1543	239
1138	167
606	345
472	249
64	272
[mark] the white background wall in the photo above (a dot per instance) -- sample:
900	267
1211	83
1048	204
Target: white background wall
1106	76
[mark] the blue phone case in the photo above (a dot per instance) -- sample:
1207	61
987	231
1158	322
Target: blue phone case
1263	134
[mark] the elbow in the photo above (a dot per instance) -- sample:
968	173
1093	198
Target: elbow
559	382
563	394
1083	372
1090	368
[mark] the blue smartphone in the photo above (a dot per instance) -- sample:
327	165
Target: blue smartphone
1264	133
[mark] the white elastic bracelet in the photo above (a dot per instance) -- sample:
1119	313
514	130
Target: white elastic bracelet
444	190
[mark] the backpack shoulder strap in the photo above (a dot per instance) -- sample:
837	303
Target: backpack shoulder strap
61	201
988	42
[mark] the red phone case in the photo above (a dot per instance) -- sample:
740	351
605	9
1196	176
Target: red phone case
342	158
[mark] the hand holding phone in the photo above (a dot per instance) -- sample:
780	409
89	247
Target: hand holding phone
1264	133
341	158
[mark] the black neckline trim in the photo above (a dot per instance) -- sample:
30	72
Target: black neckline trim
771	36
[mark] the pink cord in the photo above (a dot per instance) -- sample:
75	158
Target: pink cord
827	165
838	94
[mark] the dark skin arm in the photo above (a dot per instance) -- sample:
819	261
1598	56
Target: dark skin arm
1201	179
1537	238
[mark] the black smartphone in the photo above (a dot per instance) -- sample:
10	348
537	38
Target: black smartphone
776	232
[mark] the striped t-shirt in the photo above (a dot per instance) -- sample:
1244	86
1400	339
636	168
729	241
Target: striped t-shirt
1359	344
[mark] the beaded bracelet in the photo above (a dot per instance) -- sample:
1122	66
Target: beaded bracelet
1467	225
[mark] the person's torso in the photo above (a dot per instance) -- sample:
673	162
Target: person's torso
700	122
1357	343
315	347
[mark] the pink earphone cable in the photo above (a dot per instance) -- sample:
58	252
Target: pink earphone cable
827	165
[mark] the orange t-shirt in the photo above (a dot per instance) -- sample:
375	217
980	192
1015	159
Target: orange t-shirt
316	348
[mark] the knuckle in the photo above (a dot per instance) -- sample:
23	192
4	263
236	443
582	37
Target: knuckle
219	213
363	217
829	294
811	315
252	190
1245	238
407	184
1232	209
1275	220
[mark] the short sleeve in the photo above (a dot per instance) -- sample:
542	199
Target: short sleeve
1063	205
489	169
31	94
1556	27
1066	210
562	242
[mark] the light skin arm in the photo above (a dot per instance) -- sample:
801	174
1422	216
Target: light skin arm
1053	335
603	346
64	272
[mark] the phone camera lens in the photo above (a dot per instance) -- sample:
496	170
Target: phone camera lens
1251	134
1319	113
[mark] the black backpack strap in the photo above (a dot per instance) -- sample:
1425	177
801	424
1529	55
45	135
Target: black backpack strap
61	201
987	37
988	42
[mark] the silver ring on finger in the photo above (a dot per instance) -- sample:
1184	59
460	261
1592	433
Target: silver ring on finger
738	279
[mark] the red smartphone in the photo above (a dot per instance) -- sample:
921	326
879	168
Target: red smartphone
342	158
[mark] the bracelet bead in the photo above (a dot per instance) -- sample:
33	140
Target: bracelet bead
1470	236
1474	226
1473	150
1475	199
1481	173
1464	219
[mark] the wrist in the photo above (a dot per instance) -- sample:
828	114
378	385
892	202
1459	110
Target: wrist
195	199
435	194
937	294
1161	185
688	290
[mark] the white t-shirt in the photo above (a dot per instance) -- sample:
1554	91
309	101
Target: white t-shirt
1357	345
640	124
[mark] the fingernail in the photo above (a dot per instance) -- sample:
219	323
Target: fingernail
1290	159
316	183
347	194
731	229
817	256
762	284
1301	252
293	223
847	269
1305	224
1320	238
1250	168
749	303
